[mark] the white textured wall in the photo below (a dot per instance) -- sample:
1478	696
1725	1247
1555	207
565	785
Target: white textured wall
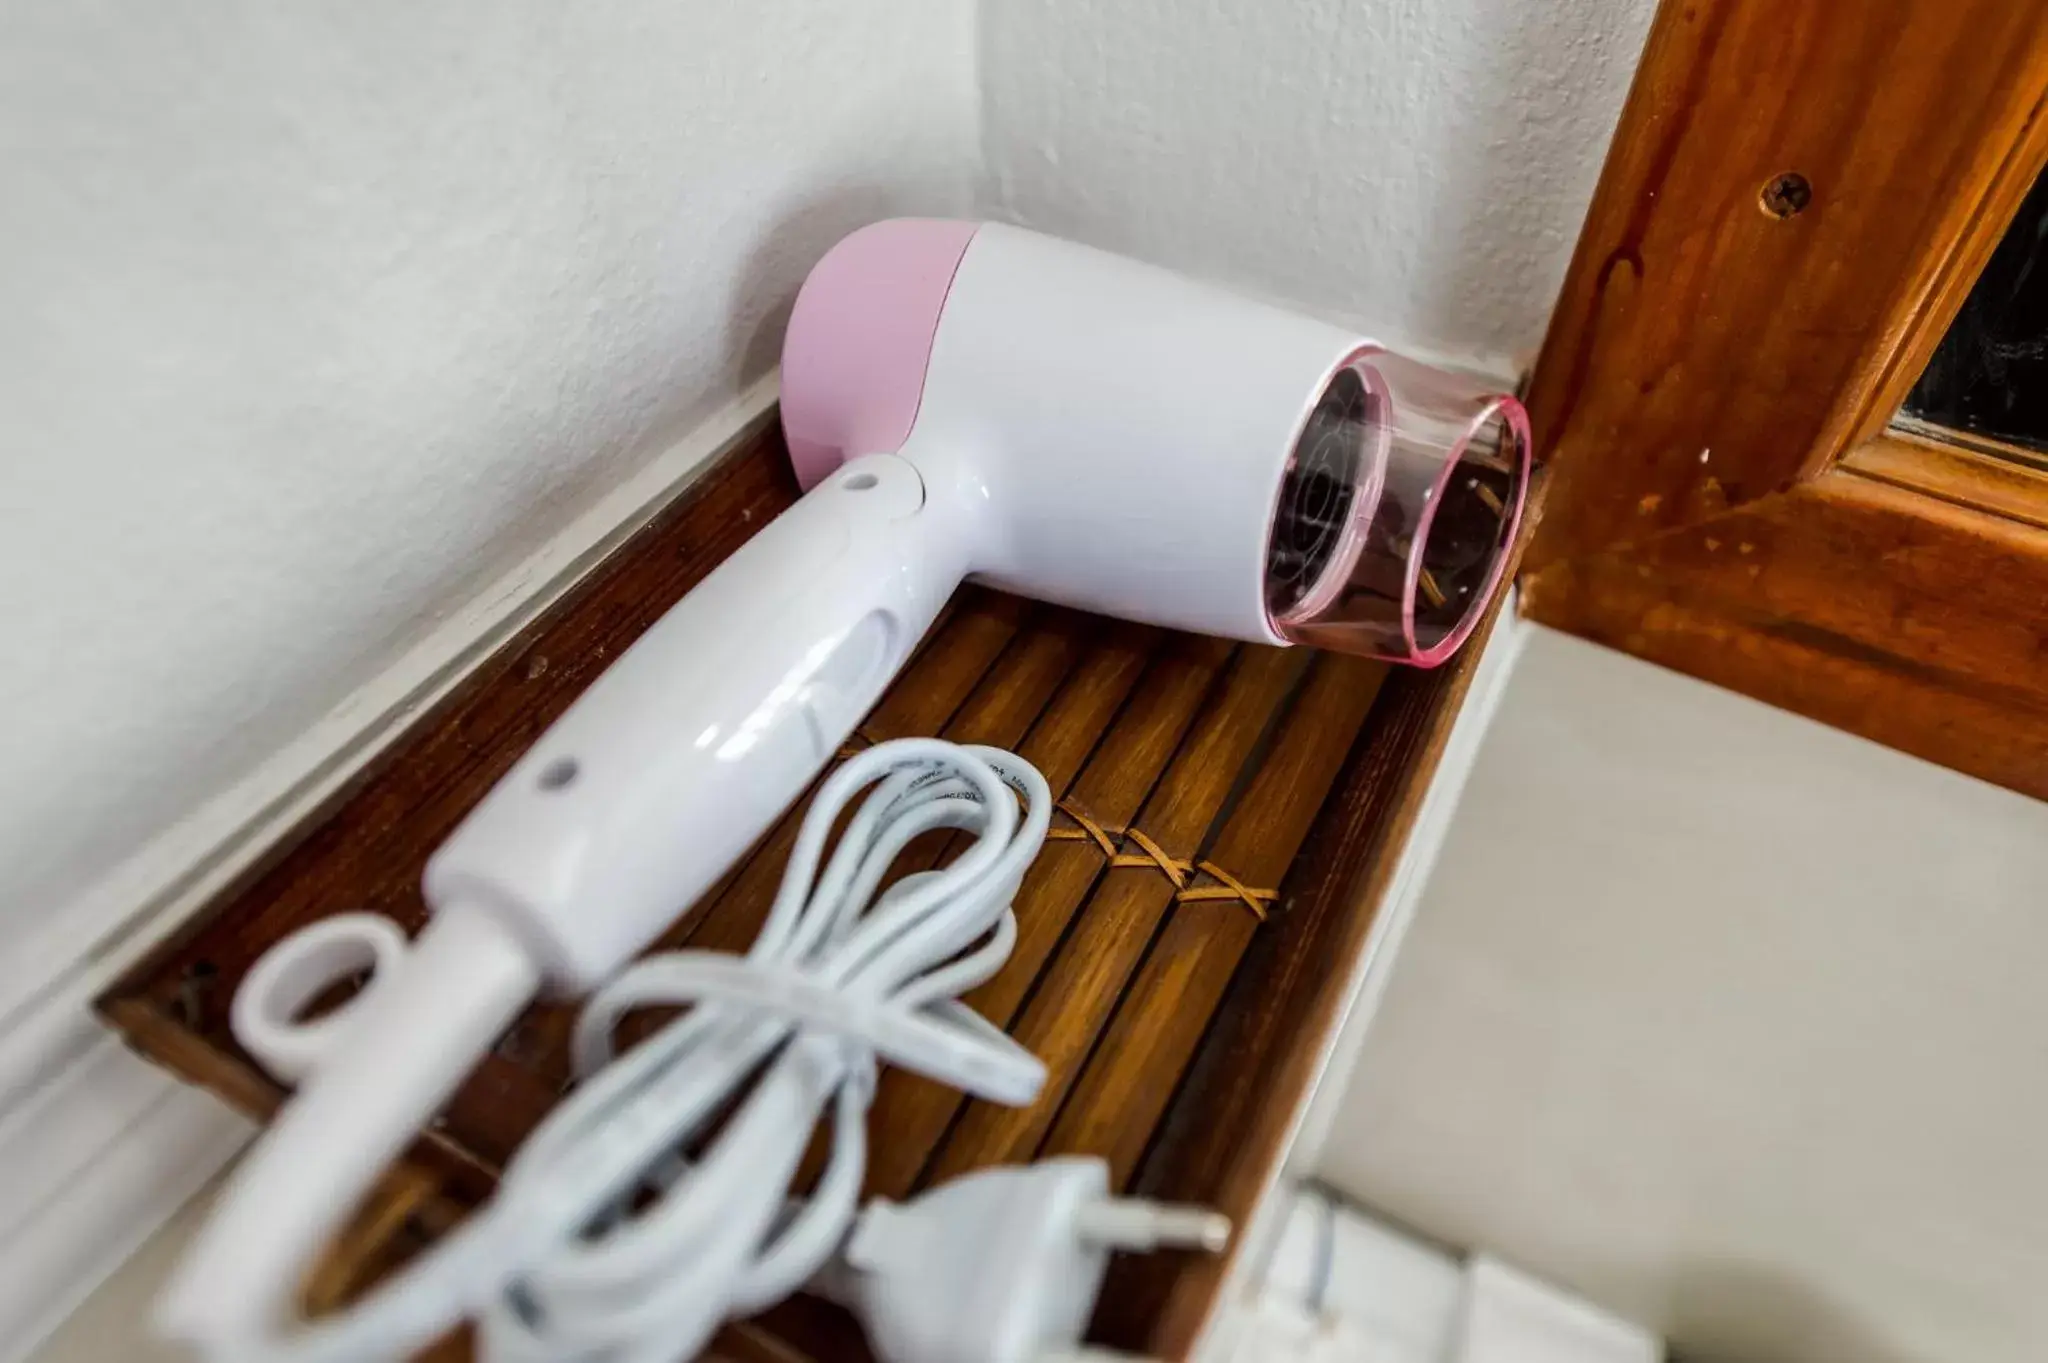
314	316
1419	167
317	315
1730	1021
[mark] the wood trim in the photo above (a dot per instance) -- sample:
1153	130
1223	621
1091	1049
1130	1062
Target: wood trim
1716	381
1705	353
1918	430
1917	622
1957	474
354	851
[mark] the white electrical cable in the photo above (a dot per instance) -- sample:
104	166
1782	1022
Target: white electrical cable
706	1122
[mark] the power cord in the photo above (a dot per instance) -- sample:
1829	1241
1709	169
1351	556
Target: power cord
654	1203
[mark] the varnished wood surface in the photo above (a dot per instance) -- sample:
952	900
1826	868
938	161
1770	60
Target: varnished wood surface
1712	394
1217	752
1113	930
1705	353
1913	621
1284	1002
1956	474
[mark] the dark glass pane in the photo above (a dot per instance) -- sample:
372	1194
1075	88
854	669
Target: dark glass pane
1989	377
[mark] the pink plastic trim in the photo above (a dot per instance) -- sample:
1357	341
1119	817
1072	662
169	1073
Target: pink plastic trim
860	337
1518	424
1366	502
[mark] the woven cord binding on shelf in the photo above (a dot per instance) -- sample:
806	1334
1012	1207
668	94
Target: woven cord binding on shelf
1187	876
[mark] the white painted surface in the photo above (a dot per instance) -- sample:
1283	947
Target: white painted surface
1514	1317
114	1324
1418	168
1346	1287
319	317
1361	1288
92	1170
1732	1022
334	334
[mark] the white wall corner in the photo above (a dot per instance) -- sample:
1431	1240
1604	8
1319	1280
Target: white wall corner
97	1147
1415	170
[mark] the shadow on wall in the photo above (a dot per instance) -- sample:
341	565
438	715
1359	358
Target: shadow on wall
1418	168
775	269
1517	163
1728	1312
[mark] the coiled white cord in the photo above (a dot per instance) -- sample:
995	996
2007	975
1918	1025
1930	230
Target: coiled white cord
706	1122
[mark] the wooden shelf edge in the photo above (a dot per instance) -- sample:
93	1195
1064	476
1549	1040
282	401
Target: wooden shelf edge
2010	486
1275	1030
1838	600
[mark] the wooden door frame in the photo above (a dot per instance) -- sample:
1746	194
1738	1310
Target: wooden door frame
1795	204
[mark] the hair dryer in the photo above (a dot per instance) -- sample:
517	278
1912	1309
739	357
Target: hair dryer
960	400
980	400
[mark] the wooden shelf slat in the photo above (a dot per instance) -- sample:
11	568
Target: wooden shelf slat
1073	1000
919	1110
1141	1056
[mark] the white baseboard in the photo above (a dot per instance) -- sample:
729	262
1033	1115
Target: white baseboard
97	1148
114	1149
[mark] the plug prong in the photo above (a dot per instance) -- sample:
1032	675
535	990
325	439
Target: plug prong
1129	1223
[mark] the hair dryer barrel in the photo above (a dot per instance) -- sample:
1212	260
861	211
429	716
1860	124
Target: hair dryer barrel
1129	441
1398	511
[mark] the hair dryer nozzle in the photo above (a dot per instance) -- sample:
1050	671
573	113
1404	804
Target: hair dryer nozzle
1397	511
1121	439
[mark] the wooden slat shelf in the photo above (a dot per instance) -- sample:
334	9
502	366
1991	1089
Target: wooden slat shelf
1179	1030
